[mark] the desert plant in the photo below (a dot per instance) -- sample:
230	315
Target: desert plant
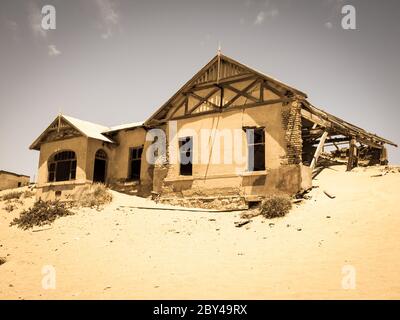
93	196
9	207
2	260
42	213
275	206
12	195
28	194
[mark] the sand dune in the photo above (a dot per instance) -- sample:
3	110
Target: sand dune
129	253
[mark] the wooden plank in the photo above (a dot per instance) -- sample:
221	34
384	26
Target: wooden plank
202	99
219	110
319	150
242	93
229	80
276	91
352	154
237	96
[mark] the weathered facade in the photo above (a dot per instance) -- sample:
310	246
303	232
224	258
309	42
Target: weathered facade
11	180
245	135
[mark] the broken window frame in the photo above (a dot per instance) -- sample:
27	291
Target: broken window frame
186	156
255	137
135	156
66	159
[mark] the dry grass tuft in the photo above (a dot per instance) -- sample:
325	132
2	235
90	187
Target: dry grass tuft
91	196
12	195
40	214
276	206
28	194
9	207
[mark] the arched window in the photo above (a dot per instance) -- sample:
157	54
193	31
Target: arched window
62	166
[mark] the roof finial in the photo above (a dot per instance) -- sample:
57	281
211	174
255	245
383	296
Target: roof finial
219	61
59	119
219	49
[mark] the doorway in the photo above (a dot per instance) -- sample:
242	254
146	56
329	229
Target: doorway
100	167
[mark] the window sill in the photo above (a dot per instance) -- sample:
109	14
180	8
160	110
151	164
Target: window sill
254	173
62	183
180	178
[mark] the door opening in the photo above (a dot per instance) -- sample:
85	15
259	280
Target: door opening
100	167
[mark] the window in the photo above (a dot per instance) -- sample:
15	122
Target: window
62	166
256	148
186	156
135	163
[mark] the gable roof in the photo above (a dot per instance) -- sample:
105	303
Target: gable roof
14	174
124	126
86	128
203	76
89	129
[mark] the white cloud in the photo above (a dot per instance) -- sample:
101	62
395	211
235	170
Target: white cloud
110	19
53	51
269	12
35	20
260	18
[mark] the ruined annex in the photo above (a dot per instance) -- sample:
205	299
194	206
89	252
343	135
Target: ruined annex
11	180
290	139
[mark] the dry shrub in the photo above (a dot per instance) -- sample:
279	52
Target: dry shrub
94	195
12	195
28	194
9	207
40	214
276	206
2	260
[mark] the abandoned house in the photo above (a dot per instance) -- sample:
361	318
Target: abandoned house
11	180
289	135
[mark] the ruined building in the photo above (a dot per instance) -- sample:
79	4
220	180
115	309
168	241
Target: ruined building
11	180
288	137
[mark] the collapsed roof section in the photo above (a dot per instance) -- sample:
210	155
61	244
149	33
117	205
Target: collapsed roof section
336	126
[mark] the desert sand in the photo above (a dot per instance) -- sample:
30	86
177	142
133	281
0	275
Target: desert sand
129	253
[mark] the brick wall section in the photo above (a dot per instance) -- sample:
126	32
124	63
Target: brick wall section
291	121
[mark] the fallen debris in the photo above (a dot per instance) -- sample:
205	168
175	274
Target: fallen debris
330	195
240	224
3	260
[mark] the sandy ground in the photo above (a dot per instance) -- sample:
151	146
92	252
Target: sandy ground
125	253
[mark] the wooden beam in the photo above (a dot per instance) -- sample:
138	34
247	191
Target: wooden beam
177	108
335	140
352	155
237	96
202	99
315	119
230	80
242	93
319	150
251	105
276	91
